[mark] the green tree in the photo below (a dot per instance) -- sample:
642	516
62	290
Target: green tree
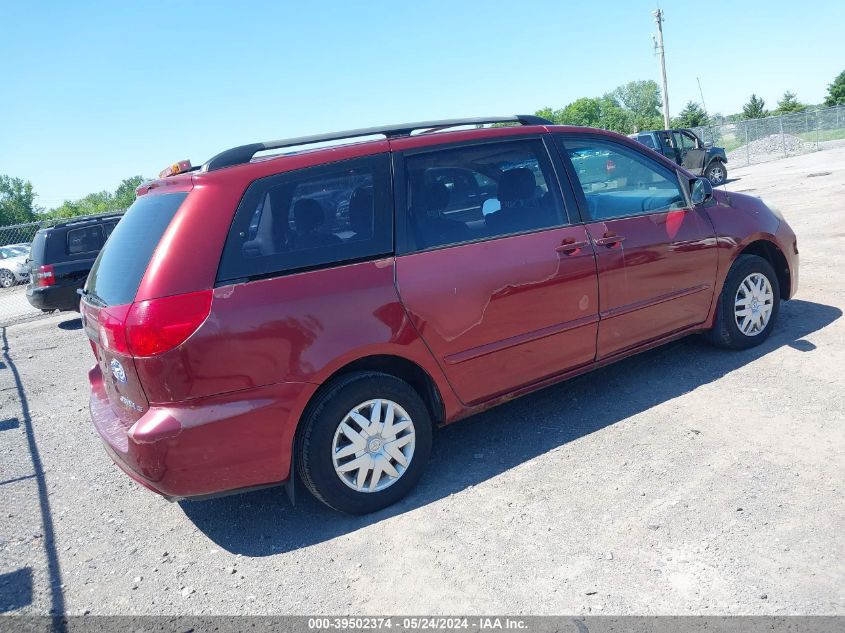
641	101
755	108
600	112
585	111
100	202
613	116
92	204
17	201
789	104
691	116
548	113
124	195
836	91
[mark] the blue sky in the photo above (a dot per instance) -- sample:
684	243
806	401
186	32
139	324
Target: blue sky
97	92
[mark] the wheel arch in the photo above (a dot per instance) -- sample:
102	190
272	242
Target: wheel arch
399	367
714	159
770	251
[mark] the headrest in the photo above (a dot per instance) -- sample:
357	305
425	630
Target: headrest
516	184
308	214
361	210
433	197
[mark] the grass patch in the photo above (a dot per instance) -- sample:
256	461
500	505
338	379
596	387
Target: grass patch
824	135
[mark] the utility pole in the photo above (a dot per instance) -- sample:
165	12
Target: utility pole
658	47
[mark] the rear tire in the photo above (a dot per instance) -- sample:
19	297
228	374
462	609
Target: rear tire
349	457
716	173
748	305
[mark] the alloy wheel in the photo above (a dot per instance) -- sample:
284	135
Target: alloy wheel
716	175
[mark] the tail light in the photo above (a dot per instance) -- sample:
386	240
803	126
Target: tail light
44	276
155	326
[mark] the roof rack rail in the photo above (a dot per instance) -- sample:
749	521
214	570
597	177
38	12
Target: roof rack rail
82	219
244	153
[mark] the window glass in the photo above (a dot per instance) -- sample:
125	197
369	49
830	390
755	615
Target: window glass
108	227
683	141
311	217
84	240
688	140
618	181
667	146
479	192
121	265
647	140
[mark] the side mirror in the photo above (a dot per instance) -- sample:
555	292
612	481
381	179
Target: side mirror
491	205
701	191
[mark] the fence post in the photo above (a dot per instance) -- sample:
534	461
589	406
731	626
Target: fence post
782	137
747	148
817	130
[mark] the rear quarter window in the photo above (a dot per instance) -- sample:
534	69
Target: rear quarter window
121	265
88	239
309	218
39	247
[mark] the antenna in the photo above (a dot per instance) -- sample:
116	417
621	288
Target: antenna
701	92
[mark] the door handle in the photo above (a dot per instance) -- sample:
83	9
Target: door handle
569	248
609	240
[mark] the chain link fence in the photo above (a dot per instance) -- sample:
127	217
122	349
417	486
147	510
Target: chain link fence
15	244
761	140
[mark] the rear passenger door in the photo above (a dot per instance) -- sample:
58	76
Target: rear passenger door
503	290
656	253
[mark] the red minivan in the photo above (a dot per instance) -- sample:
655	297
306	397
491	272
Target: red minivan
319	312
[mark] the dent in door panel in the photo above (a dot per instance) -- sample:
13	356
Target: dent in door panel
503	313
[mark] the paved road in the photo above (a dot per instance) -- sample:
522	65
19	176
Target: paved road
686	480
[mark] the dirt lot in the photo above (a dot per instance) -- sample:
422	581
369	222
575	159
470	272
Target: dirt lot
686	480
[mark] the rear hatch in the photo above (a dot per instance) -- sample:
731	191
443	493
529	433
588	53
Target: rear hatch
109	295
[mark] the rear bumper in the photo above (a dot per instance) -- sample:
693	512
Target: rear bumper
207	446
62	297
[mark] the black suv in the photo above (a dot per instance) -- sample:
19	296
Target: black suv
689	151
61	258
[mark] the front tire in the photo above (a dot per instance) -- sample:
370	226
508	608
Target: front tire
748	305
7	278
716	173
364	442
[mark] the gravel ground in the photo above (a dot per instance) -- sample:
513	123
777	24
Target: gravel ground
14	307
686	480
770	148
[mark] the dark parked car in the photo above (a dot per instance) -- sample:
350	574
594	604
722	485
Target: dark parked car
244	336
61	258
685	148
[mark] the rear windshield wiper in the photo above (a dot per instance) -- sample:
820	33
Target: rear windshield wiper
91	297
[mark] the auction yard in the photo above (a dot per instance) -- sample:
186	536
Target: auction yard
687	480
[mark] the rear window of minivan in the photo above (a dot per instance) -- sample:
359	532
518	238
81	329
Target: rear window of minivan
121	265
